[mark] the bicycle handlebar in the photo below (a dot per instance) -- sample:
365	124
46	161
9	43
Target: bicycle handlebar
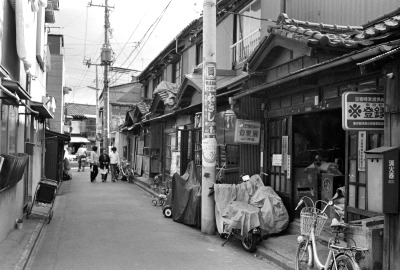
330	203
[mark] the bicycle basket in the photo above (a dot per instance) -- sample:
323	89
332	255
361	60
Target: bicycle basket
307	218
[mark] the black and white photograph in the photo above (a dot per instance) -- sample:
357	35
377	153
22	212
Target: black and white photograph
199	134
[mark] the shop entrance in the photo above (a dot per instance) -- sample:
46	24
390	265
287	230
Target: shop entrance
319	144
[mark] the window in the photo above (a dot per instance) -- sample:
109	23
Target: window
146	90
9	129
146	139
156	81
176	72
170	145
199	54
247	25
4	129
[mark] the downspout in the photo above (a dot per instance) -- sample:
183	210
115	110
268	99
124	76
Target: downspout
317	68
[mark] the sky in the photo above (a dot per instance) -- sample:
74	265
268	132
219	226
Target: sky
140	30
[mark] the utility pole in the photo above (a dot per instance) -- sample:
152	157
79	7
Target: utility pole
88	63
209	108
106	60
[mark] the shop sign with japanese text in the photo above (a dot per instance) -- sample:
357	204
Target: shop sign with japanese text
247	131
363	111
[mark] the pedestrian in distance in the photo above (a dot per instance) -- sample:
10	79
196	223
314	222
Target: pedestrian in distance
104	161
81	153
114	161
94	163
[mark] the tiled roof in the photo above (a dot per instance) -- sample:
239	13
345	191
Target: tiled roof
337	35
144	106
75	109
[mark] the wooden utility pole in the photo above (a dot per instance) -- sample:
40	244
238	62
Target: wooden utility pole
106	60
209	138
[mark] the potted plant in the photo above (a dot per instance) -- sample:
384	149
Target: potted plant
19	223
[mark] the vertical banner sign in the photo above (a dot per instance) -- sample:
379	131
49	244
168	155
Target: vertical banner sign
362	141
285	146
209	142
363	111
288	167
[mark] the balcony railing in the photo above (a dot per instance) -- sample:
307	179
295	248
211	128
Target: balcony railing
242	49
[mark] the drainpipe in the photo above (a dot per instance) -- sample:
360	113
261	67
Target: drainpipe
317	68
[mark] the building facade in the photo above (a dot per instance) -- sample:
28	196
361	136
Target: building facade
24	107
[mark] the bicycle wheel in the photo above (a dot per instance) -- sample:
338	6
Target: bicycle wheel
304	259
130	175
344	262
161	202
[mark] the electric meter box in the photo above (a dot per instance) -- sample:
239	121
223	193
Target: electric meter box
383	179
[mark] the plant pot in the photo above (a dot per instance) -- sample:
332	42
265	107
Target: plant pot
19	224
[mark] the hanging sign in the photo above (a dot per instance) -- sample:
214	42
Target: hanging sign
362	141
209	147
209	99
285	151
247	131
363	111
277	160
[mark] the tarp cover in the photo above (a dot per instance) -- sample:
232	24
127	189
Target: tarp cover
186	197
249	205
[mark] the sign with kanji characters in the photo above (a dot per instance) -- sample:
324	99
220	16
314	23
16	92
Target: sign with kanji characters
362	144
363	111
247	131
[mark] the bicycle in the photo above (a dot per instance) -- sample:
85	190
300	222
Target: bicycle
125	171
341	257
162	198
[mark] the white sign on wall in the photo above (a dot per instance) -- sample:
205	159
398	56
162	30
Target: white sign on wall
363	111
362	141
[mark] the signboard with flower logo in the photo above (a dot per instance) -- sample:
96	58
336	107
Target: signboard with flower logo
363	111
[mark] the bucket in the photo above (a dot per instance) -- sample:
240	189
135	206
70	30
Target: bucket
19	224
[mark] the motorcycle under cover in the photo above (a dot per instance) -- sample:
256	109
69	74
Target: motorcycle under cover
186	197
273	215
249	205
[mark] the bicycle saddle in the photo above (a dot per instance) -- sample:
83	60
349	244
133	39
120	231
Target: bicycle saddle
337	225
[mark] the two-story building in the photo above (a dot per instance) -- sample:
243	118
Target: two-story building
23	102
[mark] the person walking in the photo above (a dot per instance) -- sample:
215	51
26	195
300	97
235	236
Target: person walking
104	161
114	161
81	153
94	162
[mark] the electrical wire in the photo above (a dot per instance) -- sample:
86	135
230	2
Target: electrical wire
86	26
152	28
251	17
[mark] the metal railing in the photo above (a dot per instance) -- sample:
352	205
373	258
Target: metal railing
242	49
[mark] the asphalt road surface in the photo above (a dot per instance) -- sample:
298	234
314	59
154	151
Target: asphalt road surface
114	226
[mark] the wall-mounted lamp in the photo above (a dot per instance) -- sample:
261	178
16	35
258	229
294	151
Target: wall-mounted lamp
390	75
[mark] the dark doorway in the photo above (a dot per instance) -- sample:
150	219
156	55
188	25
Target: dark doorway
318	134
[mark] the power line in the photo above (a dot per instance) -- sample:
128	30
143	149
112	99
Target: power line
155	23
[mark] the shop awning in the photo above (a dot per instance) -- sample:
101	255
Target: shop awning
8	96
43	111
16	88
79	140
52	134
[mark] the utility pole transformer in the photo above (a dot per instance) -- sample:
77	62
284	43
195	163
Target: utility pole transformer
209	109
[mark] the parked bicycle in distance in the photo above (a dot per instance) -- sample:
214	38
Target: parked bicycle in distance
343	252
125	171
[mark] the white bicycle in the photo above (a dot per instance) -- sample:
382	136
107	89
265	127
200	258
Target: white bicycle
343	253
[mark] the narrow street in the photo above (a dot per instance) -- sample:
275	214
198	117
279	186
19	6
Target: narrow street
114	226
